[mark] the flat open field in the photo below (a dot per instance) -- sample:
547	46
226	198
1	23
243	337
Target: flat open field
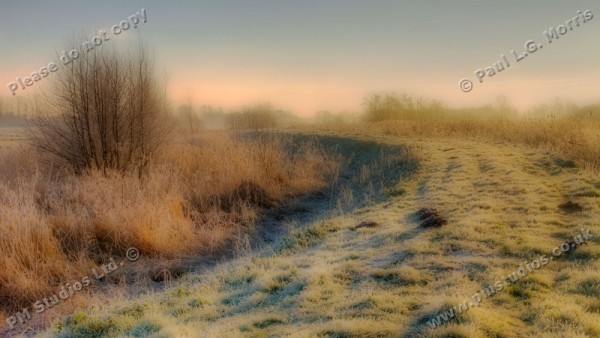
326	169
395	278
11	135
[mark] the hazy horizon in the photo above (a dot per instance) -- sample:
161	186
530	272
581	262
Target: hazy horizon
310	56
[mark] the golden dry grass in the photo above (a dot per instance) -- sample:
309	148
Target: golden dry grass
498	182
501	199
195	199
575	138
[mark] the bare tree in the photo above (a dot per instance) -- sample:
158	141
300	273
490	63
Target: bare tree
188	112
388	106
104	111
420	106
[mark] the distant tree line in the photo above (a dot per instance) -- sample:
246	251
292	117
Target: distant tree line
391	106
562	108
394	106
260	116
14	110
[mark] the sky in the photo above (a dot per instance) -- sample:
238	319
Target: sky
311	55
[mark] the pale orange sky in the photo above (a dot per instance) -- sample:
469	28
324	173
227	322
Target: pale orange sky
312	55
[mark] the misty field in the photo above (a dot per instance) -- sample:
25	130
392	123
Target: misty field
201	213
132	207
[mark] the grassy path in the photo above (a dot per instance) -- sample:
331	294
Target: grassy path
501	202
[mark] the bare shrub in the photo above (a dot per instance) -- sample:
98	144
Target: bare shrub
104	111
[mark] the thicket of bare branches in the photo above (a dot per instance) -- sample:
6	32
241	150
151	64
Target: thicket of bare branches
392	107
256	117
105	110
